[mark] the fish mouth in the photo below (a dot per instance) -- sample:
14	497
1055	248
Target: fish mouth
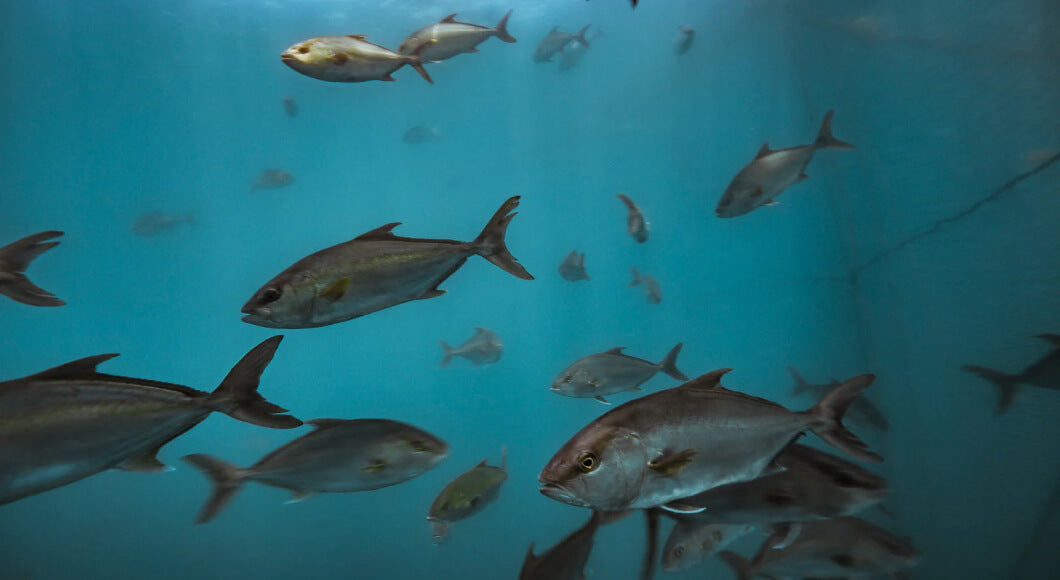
559	493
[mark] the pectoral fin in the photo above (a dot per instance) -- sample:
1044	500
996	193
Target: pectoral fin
431	294
671	463
145	463
375	466
757	191
300	496
336	290
602	400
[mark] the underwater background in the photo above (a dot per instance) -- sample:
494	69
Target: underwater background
907	257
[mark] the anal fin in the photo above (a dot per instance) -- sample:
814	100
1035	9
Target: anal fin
145	463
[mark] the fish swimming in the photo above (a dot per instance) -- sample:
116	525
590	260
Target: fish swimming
1045	372
555	41
350	59
652	291
484	347
611	372
567	559
449	38
272	179
636	224
570	56
69	422
773	171
373	271
861	412
420	134
691	542
843	547
573	267
155	222
15	258
466	496
683	441
684	40
339	455
290	106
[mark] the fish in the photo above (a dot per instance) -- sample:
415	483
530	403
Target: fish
684	40
691	542
573	267
272	179
153	223
572	54
350	59
373	271
338	456
15	258
611	372
1045	372
636	224
555	41
420	134
70	422
683	441
772	171
484	347
567	559
290	106
448	38
843	547
466	496
652	291
862	411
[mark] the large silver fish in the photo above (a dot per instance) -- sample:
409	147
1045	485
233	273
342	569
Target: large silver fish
567	559
555	41
838	548
691	542
611	372
484	347
15	258
449	38
70	422
466	496
1043	373
652	291
339	455
373	271
861	412
573	267
350	59
636	224
683	441
773	171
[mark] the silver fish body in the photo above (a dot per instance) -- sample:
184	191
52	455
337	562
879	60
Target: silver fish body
1045	373
573	267
611	372
15	258
686	440
636	223
70	422
691	542
466	496
652	290
375	270
555	41
773	171
349	59
484	347
449	38
570	56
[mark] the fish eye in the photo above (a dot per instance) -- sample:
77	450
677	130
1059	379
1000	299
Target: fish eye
568	378
679	551
303	49
418	446
270	295
587	462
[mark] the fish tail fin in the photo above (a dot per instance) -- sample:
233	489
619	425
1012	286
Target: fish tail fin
581	35
490	243
829	412
739	565
448	353
1006	385
825	139
800	383
237	395
669	364
627	201
636	277
17	256
501	30
415	60
226	478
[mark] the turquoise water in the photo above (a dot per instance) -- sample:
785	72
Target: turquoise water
115	109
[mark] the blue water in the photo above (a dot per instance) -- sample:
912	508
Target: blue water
114	109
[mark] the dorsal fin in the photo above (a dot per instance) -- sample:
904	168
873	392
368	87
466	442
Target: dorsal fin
450	18
78	369
530	559
707	382
765	150
357	36
616	350
482	463
380	233
326	423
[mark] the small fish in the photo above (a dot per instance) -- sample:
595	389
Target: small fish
691	542
773	171
420	134
484	347
684	40
573	267
155	222
272	179
373	271
567	559
449	38
290	106
570	56
861	412
636	224
611	372
555	41
15	258
338	456
1045	372
651	286
466	495
683	441
843	547
350	59
70	422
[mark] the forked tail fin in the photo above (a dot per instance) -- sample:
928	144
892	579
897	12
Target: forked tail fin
800	383
825	139
581	35
415	60
448	353
830	410
1006	384
636	277
501	30
15	258
490	243
238	397
669	364
226	478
